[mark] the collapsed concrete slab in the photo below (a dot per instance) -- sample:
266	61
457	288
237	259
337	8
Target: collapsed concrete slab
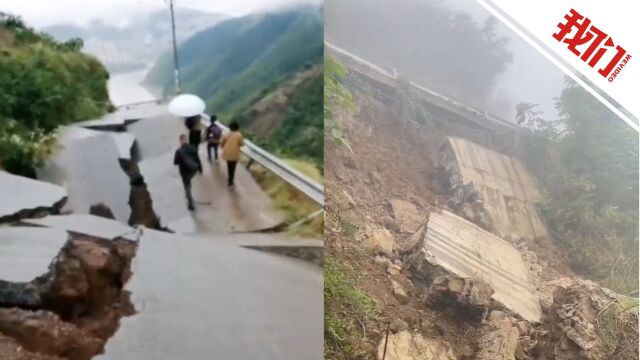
87	165
491	189
453	245
199	299
88	225
26	252
21	196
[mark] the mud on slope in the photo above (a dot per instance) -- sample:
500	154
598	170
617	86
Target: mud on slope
72	310
389	162
392	162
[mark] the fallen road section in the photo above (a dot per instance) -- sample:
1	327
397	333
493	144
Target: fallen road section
453	245
61	294
26	252
201	299
87	166
490	189
22	197
87	225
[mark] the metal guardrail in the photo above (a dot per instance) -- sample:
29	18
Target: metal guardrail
303	183
451	102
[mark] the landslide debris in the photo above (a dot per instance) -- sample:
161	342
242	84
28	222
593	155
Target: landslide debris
587	322
462	297
71	311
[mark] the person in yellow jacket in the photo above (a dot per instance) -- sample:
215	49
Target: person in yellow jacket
231	143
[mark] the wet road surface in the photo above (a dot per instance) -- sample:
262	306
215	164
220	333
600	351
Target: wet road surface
18	193
26	252
198	300
219	210
87	166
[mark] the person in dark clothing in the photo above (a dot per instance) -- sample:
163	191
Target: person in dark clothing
194	125
214	133
188	162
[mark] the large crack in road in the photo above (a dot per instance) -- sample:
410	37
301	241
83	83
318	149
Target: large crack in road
73	309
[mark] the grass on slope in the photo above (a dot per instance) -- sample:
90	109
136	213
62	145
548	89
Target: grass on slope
292	202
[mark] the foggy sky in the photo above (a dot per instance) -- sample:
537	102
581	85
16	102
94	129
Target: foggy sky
529	78
39	13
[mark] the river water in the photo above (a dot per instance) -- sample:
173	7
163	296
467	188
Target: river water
126	88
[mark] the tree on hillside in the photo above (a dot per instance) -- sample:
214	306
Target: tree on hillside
44	84
428	43
591	198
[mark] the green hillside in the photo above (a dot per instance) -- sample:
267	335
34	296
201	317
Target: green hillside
289	119
235	63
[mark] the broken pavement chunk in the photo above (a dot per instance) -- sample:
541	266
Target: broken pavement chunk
491	189
22	196
88	225
26	252
453	245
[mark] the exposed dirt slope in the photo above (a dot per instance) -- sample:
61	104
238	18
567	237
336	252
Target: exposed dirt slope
395	163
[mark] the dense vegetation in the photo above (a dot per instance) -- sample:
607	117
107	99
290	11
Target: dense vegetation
590	178
425	41
43	84
289	120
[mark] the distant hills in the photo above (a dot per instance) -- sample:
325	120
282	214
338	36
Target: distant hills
264	70
140	43
238	61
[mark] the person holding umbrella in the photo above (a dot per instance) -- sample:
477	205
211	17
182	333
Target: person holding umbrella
189	107
194	125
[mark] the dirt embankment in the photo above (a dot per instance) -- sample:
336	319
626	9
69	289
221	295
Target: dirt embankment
390	161
373	196
71	311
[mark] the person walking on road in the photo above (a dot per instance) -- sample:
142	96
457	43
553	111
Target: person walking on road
188	162
231	143
214	133
194	125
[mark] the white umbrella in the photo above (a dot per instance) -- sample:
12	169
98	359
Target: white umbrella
186	105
